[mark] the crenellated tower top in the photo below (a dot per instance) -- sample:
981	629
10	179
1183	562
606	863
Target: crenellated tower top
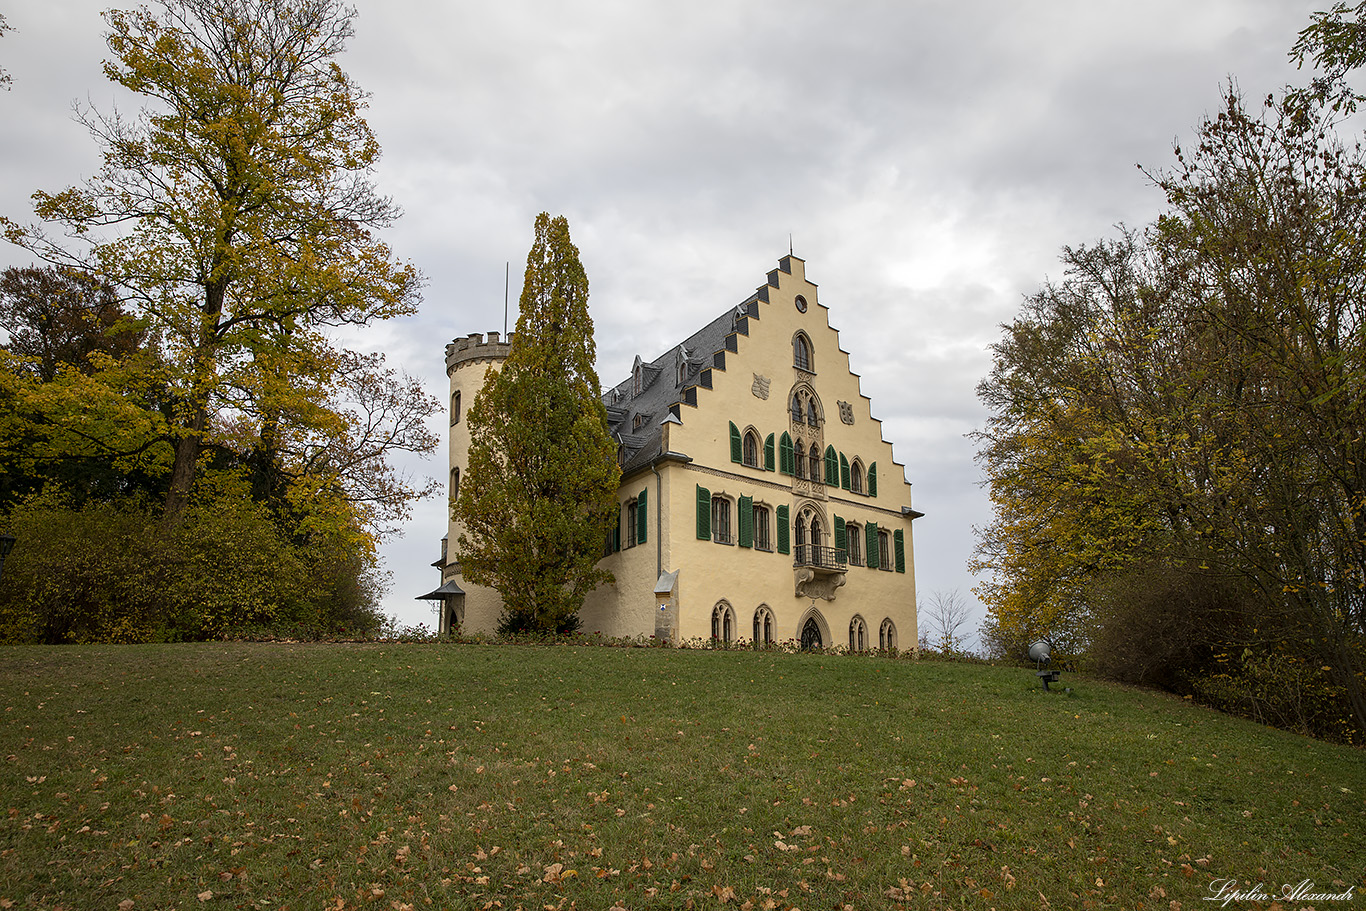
474	348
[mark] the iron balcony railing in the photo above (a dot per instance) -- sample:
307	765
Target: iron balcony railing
821	557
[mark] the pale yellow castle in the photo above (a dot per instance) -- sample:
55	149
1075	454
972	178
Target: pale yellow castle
759	501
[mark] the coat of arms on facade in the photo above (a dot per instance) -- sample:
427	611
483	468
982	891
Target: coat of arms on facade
760	387
846	412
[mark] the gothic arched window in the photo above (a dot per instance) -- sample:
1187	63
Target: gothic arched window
801	352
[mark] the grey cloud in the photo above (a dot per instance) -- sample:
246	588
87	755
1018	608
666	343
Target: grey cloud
929	159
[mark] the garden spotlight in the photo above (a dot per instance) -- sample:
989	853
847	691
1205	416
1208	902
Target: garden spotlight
1040	652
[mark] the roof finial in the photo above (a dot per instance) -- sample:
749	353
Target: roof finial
789	243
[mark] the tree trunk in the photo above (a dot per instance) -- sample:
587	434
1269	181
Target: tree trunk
183	470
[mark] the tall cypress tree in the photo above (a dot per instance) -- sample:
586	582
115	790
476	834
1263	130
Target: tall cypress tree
539	493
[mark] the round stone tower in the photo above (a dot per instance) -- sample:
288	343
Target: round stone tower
468	360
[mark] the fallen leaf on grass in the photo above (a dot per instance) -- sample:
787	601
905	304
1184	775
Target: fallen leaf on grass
205	895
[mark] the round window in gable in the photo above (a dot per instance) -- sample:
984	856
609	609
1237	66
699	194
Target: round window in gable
801	304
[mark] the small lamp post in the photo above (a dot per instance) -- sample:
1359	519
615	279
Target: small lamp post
6	545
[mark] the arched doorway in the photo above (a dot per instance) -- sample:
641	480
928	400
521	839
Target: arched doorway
811	635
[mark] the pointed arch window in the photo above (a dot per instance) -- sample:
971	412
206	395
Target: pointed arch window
801	352
886	635
797	408
814	460
723	623
751	449
455	483
812	417
858	635
856	476
811	635
884	550
763	626
455	409
800	461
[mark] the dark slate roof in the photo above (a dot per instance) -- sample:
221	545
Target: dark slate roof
635	420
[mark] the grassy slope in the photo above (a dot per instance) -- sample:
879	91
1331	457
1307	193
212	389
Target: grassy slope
312	776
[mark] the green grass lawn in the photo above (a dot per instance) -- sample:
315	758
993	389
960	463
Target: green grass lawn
391	776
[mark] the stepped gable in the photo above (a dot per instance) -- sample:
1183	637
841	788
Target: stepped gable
662	388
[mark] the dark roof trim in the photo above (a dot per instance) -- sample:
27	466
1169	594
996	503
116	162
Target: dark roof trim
447	590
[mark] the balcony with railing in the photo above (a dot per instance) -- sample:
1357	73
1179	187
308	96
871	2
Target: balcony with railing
820	558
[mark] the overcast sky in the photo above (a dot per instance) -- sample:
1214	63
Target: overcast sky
928	159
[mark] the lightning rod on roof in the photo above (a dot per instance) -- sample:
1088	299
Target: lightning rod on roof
507	275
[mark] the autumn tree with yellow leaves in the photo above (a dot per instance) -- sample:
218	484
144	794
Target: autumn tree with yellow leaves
1175	449
236	220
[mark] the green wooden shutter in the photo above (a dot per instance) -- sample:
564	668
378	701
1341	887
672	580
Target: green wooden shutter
840	542
768	453
899	543
786	464
784	542
872	480
737	448
832	467
746	521
703	513
642	516
870	538
844	472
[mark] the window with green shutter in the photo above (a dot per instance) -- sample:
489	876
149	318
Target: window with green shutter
737	449
703	513
870	539
844	472
840	539
768	453
872	480
784	541
899	544
746	521
786	462
642	517
832	467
